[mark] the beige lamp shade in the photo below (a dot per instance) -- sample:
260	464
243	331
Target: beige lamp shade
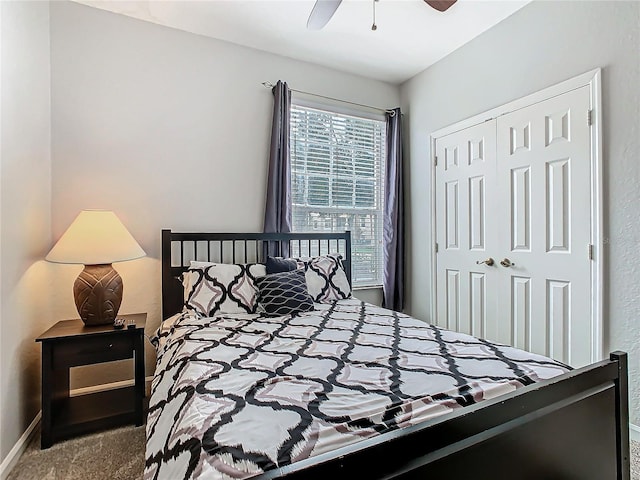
96	237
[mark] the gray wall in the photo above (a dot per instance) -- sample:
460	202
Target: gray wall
25	206
168	129
540	45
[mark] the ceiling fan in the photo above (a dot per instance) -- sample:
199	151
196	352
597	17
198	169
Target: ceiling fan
323	10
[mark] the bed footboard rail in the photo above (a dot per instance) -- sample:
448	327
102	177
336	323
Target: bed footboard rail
574	426
622	415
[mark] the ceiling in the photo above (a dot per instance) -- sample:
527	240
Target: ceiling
410	35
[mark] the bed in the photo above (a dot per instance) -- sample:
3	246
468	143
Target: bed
350	390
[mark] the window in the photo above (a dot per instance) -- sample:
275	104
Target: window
337	165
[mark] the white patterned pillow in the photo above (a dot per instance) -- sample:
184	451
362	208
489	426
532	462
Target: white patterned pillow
326	279
223	288
185	278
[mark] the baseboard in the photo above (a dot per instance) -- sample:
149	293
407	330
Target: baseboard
14	455
634	432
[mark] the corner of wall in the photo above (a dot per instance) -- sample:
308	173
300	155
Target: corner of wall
25	216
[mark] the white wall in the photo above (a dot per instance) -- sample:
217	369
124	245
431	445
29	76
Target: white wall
168	129
540	45
25	205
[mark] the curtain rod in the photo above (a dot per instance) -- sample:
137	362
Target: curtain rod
385	110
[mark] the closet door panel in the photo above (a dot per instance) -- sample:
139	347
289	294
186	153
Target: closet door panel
465	185
544	191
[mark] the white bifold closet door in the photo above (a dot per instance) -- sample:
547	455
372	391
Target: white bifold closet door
517	189
466	228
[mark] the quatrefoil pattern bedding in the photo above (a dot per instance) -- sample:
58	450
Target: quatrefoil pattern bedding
222	288
326	278
237	395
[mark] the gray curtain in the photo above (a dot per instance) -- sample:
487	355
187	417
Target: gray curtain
393	286
277	214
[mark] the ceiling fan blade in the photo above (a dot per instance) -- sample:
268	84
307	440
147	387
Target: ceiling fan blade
322	12
440	5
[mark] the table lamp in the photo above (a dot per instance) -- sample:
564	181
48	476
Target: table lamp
96	239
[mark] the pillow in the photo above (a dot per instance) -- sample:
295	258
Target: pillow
185	278
279	264
326	278
284	293
223	288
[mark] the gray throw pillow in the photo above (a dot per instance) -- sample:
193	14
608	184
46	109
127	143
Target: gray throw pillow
284	293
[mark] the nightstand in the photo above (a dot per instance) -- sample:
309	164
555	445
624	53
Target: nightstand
70	343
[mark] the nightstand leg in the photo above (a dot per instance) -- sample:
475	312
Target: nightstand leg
46	439
139	378
55	389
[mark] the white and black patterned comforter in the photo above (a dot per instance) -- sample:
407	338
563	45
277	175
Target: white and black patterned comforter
236	395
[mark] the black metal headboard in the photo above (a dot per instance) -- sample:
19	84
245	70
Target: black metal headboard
178	249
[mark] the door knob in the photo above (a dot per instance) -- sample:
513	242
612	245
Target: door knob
488	262
507	263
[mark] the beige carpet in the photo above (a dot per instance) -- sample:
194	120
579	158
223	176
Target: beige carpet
118	455
114	454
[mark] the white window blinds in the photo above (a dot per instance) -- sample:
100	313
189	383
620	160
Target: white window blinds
337	183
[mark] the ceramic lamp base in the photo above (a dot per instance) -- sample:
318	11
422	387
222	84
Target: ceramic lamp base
98	294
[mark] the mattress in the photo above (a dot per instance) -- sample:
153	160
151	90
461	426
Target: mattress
237	395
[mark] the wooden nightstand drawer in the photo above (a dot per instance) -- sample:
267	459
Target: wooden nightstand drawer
98	349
